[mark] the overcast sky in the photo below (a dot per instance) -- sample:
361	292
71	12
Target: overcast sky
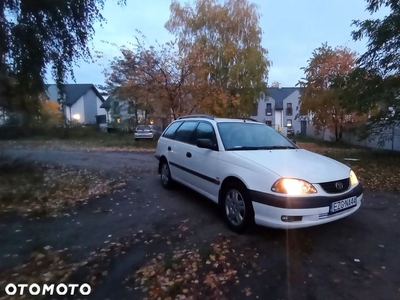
292	30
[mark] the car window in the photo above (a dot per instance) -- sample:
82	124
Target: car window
185	132
251	135
170	132
143	127
205	131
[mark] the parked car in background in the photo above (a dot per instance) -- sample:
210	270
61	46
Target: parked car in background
147	132
290	130
255	173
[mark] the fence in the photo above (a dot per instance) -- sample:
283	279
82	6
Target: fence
391	135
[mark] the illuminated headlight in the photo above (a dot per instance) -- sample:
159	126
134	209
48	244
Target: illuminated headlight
293	187
353	178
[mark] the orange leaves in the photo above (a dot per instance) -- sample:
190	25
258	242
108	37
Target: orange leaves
49	190
317	96
236	62
44	266
216	66
205	273
167	80
50	112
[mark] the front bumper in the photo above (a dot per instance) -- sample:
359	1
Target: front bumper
306	211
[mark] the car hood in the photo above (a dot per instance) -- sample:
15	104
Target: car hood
299	163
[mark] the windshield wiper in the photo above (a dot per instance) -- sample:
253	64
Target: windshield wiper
260	148
277	147
243	148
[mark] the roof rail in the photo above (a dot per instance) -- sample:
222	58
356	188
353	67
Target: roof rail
196	116
250	119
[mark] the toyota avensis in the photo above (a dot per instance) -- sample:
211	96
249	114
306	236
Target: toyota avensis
255	174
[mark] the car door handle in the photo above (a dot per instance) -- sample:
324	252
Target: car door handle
169	148
188	154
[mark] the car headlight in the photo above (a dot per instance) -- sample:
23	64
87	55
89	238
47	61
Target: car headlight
293	187
353	178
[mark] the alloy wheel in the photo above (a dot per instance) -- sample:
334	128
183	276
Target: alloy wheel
235	207
165	174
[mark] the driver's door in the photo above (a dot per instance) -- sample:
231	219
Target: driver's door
204	161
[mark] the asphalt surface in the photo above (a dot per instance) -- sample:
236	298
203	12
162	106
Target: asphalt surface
353	258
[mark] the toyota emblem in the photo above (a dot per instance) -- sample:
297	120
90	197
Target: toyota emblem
339	185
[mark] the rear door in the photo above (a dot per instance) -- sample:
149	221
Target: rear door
166	142
178	151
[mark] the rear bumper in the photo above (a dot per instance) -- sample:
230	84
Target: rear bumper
143	136
308	211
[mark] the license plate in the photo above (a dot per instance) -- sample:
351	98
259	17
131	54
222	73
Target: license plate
342	204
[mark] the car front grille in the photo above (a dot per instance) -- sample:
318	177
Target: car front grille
336	187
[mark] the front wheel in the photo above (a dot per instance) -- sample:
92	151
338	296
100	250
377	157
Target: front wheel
237	208
165	175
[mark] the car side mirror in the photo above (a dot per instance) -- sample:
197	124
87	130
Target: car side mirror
205	143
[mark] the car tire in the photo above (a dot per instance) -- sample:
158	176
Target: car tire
165	175
237	207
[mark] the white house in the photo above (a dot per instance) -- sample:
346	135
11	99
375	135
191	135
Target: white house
123	112
81	102
279	107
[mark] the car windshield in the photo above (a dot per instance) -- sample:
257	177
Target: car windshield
252	136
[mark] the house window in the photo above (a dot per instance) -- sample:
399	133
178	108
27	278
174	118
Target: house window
269	123
131	108
289	123
268	110
116	107
289	109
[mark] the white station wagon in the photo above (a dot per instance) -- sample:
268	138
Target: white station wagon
255	174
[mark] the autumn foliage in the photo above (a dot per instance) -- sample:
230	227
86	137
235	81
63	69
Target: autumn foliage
50	113
165	82
374	86
216	65
319	97
230	32
38	37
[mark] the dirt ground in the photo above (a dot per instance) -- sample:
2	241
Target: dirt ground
117	234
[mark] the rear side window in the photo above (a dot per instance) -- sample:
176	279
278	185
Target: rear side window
143	127
170	132
185	132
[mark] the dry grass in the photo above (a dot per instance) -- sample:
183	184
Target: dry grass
378	170
105	143
28	188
